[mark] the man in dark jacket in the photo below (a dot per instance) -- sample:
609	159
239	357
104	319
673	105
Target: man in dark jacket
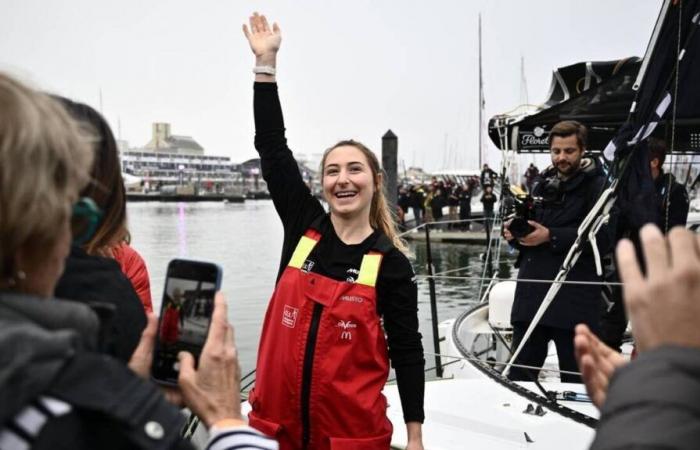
417	199
487	176
672	197
672	204
565	193
404	203
530	176
465	205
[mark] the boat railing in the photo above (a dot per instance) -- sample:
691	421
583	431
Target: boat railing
489	223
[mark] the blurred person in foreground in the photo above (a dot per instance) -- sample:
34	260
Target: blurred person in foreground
111	238
55	390
102	269
651	402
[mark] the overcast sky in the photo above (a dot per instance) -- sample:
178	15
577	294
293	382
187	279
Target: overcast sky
346	68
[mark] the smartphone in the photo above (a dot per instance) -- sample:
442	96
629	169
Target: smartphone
185	315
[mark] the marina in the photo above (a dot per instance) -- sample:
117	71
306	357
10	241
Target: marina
414	197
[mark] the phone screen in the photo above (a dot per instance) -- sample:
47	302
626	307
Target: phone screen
185	314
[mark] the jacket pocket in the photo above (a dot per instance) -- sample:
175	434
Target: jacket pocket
264	426
382	442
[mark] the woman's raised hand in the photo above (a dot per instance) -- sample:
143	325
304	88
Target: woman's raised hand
264	41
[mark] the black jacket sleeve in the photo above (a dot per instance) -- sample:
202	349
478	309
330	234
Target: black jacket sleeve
652	403
678	206
292	198
93	279
398	294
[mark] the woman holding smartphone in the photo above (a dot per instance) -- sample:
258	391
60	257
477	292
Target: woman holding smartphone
343	282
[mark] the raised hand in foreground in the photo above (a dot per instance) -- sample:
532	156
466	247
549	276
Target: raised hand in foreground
597	363
264	41
664	305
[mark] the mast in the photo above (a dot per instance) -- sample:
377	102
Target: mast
481	101
524	100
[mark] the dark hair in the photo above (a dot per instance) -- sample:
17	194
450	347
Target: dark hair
107	186
567	128
657	150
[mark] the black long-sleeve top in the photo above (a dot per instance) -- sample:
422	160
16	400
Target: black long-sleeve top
397	296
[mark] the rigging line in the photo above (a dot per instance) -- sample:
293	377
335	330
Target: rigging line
488	289
445	272
418	227
526	105
441	222
429	369
674	111
503	363
524	280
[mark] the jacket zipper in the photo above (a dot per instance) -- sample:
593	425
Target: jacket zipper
306	375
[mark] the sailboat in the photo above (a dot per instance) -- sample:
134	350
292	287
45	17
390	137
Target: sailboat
624	102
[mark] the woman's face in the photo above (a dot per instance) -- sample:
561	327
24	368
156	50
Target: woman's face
43	270
348	183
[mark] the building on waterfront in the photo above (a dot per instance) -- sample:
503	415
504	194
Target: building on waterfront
180	161
163	141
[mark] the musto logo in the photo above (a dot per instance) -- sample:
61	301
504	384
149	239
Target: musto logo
346	329
289	316
351	298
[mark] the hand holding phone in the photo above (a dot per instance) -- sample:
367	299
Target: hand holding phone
185	317
212	391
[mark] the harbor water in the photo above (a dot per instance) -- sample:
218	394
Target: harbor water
245	239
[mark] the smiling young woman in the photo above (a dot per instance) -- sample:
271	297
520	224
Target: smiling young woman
343	285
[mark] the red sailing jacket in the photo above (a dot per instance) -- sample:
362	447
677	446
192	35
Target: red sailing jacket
134	267
323	360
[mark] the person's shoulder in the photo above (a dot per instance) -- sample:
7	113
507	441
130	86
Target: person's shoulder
127	256
320	221
125	251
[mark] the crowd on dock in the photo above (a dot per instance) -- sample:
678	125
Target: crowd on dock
427	201
77	331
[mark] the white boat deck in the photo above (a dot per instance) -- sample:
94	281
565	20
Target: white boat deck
482	414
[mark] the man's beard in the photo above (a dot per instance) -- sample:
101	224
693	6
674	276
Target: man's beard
568	169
